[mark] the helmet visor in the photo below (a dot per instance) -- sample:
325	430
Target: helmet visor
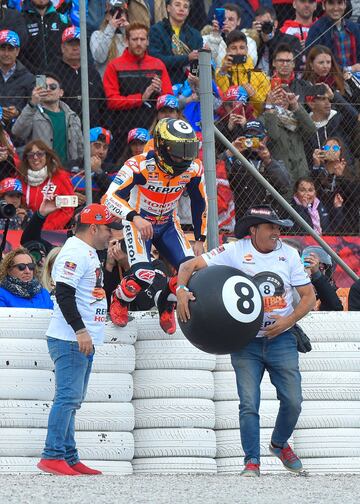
183	150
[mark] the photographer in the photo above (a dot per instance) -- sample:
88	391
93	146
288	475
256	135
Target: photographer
11	192
238	70
108	42
247	192
266	26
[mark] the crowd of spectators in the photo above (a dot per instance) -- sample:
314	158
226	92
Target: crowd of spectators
286	88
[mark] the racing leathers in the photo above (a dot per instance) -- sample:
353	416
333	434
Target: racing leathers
142	189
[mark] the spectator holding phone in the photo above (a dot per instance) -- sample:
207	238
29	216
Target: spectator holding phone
305	201
283	71
237	69
41	174
109	42
226	19
11	193
253	145
174	41
47	117
340	35
289	126
8	156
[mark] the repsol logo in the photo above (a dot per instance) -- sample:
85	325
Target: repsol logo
164	190
113	208
130	244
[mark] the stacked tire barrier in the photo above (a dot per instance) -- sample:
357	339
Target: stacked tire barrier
173	400
326	437
105	421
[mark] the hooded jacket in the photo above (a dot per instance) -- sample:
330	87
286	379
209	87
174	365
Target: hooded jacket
34	123
44	43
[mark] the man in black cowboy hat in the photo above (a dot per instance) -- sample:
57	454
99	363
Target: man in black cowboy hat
276	268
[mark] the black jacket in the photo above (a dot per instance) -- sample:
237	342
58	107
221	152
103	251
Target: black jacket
44	44
354	296
326	293
71	84
18	88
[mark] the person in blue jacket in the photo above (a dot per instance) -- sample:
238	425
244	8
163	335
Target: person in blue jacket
19	287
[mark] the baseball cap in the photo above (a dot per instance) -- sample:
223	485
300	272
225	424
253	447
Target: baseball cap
255	128
167	100
100	134
236	93
323	256
95	214
71	33
9	37
118	4
9	184
139	134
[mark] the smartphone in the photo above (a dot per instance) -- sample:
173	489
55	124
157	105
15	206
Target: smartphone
286	88
239	59
305	263
314	89
275	83
194	68
40	81
220	17
66	201
238	109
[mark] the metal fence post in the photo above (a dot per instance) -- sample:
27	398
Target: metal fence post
85	102
208	142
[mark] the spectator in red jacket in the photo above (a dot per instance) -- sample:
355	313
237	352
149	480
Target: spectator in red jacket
132	83
41	175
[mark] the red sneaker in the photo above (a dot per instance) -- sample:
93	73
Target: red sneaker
167	319
119	311
83	469
251	469
59	467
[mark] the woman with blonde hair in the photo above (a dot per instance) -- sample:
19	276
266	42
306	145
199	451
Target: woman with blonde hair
46	279
19	285
108	42
41	175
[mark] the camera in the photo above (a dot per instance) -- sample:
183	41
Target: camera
250	143
239	59
194	68
267	27
7	210
117	7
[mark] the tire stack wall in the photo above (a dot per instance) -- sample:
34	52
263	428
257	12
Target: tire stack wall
327	433
105	421
173	401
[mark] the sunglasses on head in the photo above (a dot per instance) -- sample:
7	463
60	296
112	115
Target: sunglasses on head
36	154
335	148
22	266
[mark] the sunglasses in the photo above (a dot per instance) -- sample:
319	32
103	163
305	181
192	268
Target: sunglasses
37	154
335	148
52	86
22	266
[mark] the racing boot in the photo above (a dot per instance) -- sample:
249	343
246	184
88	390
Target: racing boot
125	292
167	317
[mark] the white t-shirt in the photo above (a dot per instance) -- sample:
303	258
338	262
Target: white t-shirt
275	273
78	265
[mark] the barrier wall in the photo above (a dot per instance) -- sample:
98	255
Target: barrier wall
156	404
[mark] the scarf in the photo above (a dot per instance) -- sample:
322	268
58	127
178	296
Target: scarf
285	81
37	177
328	79
19	288
313	212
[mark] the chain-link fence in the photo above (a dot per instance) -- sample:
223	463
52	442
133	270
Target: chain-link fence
305	142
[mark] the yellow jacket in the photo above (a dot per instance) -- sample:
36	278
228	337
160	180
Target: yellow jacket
245	74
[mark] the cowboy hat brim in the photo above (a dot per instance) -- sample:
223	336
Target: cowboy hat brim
242	226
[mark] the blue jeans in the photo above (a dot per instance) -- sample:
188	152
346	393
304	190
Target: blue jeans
72	371
279	356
